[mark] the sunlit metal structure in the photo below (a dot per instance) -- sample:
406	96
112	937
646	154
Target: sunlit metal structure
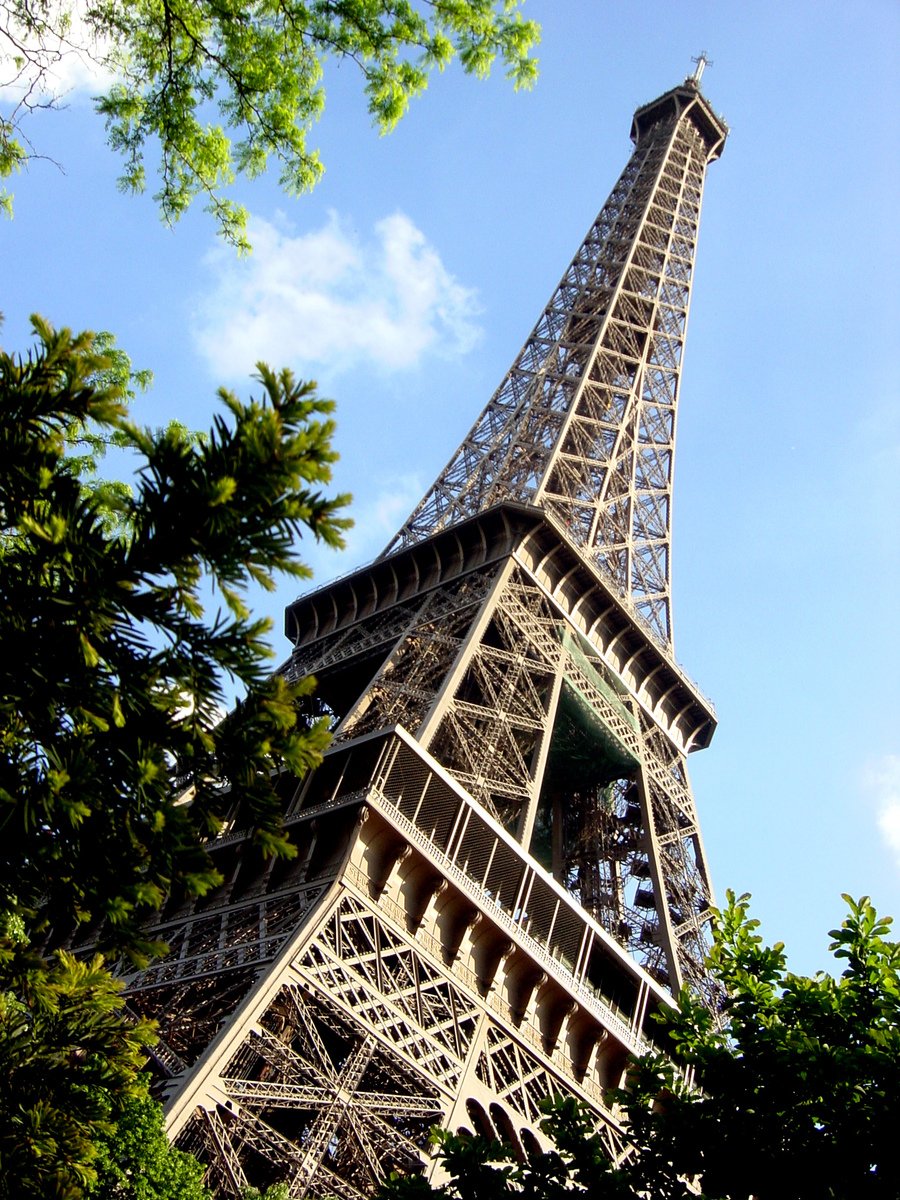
500	870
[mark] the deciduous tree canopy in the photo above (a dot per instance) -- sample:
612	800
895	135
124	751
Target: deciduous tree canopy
224	87
795	1095
135	1160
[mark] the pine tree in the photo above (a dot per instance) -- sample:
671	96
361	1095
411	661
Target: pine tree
121	641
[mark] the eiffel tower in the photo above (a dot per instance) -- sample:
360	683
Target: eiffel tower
500	872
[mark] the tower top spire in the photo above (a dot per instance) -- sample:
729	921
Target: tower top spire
702	61
582	426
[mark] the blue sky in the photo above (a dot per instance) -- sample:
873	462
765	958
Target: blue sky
408	280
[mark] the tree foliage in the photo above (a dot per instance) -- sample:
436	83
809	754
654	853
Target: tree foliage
116	764
223	87
135	1160
88	448
114	674
795	1094
69	1058
122	639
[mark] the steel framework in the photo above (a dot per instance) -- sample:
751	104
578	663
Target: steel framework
500	870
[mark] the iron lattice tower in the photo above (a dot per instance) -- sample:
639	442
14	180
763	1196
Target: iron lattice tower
500	870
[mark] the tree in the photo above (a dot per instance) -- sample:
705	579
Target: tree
135	1161
113	675
68	1058
116	763
87	447
177	65
795	1095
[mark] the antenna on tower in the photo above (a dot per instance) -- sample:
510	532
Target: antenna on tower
702	60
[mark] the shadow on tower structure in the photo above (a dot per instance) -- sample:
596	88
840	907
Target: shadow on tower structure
500	872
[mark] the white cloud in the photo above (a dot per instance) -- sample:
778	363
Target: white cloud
381	517
329	298
882	781
52	65
376	518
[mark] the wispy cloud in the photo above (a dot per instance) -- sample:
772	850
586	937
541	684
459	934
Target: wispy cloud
376	518
882	782
382	516
332	299
64	59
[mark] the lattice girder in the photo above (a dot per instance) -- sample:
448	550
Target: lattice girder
500	875
362	1039
492	722
619	314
